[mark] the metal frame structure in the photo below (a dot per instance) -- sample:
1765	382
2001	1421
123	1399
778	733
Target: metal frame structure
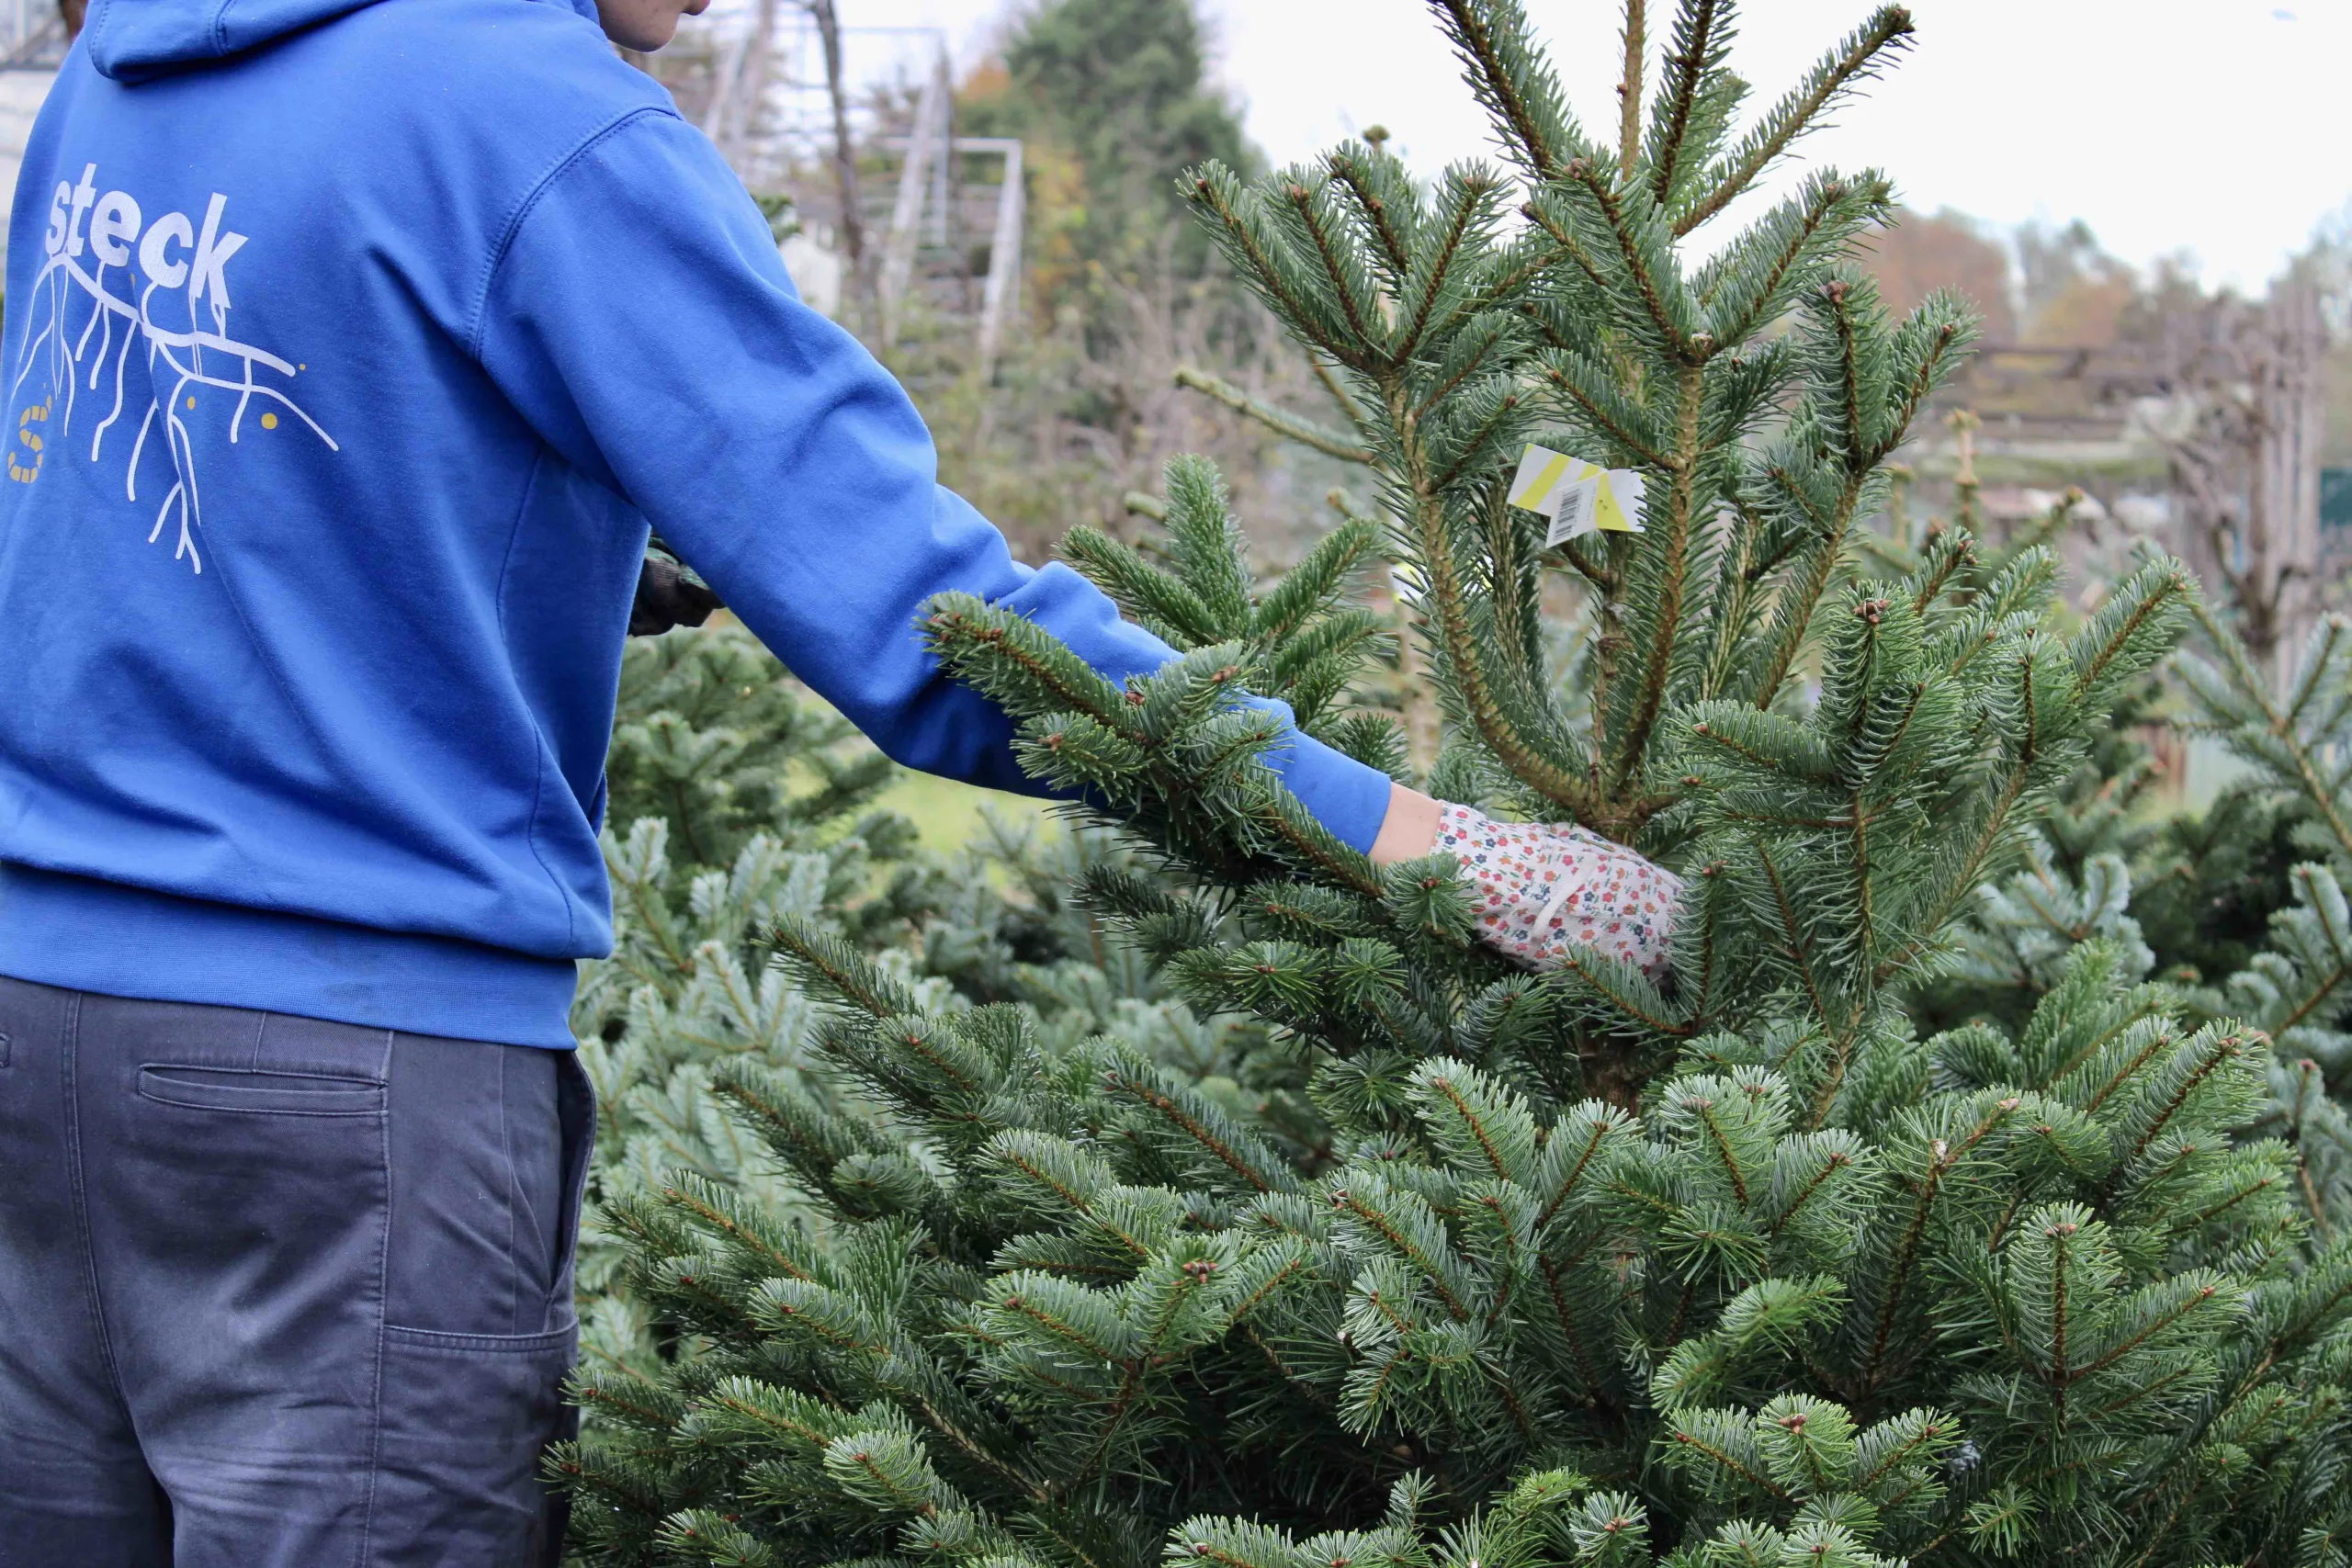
32	35
763	97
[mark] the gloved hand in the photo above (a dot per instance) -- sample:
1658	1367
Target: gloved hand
667	597
1544	888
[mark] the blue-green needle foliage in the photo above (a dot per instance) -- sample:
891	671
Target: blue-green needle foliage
2020	1298
1733	1272
2298	989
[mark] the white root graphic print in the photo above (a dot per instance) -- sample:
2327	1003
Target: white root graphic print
90	307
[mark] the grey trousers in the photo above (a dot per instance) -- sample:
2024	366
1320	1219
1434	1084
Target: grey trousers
279	1293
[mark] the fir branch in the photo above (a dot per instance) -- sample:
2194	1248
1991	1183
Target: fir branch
1141	1089
2127	1070
1971	875
1469	198
1208	191
1298	1264
2062	1235
1491	38
971	1447
958	624
1649	286
1860	58
726	1224
1666	614
1825	207
1349	407
2149	607
839	968
1307	840
2280	725
1346	168
1574	963
1327	246
1798	948
1686	67
1941	1159
1282	422
1572	1177
2225	1050
1940	569
1725	1155
2195	1301
1797	603
1478	444
1948	338
1471	1118
1431	1270
1459	642
1718	1456
1012	1155
1605	415
1629	91
1535	212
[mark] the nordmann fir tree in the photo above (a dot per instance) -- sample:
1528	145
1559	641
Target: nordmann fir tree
2299	988
734	800
1733	1270
2213	901
1050	1303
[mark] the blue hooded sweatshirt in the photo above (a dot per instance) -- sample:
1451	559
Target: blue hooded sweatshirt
351	349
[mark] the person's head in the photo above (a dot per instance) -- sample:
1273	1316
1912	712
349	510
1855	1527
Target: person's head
645	24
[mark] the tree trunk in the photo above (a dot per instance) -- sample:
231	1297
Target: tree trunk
852	217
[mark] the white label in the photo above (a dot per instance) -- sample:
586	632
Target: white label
1576	495
1541	473
1573	510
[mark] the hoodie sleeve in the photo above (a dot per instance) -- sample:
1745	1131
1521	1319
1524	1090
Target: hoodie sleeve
639	317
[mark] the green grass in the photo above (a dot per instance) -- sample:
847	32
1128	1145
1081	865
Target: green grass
947	813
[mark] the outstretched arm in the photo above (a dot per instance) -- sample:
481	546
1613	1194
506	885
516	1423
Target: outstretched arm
1409	830
639	318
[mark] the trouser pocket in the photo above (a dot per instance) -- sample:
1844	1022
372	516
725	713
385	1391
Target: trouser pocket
259	1092
465	1419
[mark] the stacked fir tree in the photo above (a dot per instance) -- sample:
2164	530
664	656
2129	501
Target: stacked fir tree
737	801
1732	1271
733	801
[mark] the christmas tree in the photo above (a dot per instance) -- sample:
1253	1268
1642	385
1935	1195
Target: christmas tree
1731	1268
736	801
2237	907
733	800
2298	989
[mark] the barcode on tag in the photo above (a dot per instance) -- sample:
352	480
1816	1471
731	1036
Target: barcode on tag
1572	513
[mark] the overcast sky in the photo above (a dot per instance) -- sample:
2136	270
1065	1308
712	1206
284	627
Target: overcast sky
2222	127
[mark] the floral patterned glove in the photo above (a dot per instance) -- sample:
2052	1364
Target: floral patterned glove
1542	887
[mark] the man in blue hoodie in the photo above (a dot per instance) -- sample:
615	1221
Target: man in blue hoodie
351	348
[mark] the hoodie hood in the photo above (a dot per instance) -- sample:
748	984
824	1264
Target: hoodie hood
132	41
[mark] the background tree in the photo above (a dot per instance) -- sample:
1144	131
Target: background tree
1917	253
736	801
1112	101
1120	89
